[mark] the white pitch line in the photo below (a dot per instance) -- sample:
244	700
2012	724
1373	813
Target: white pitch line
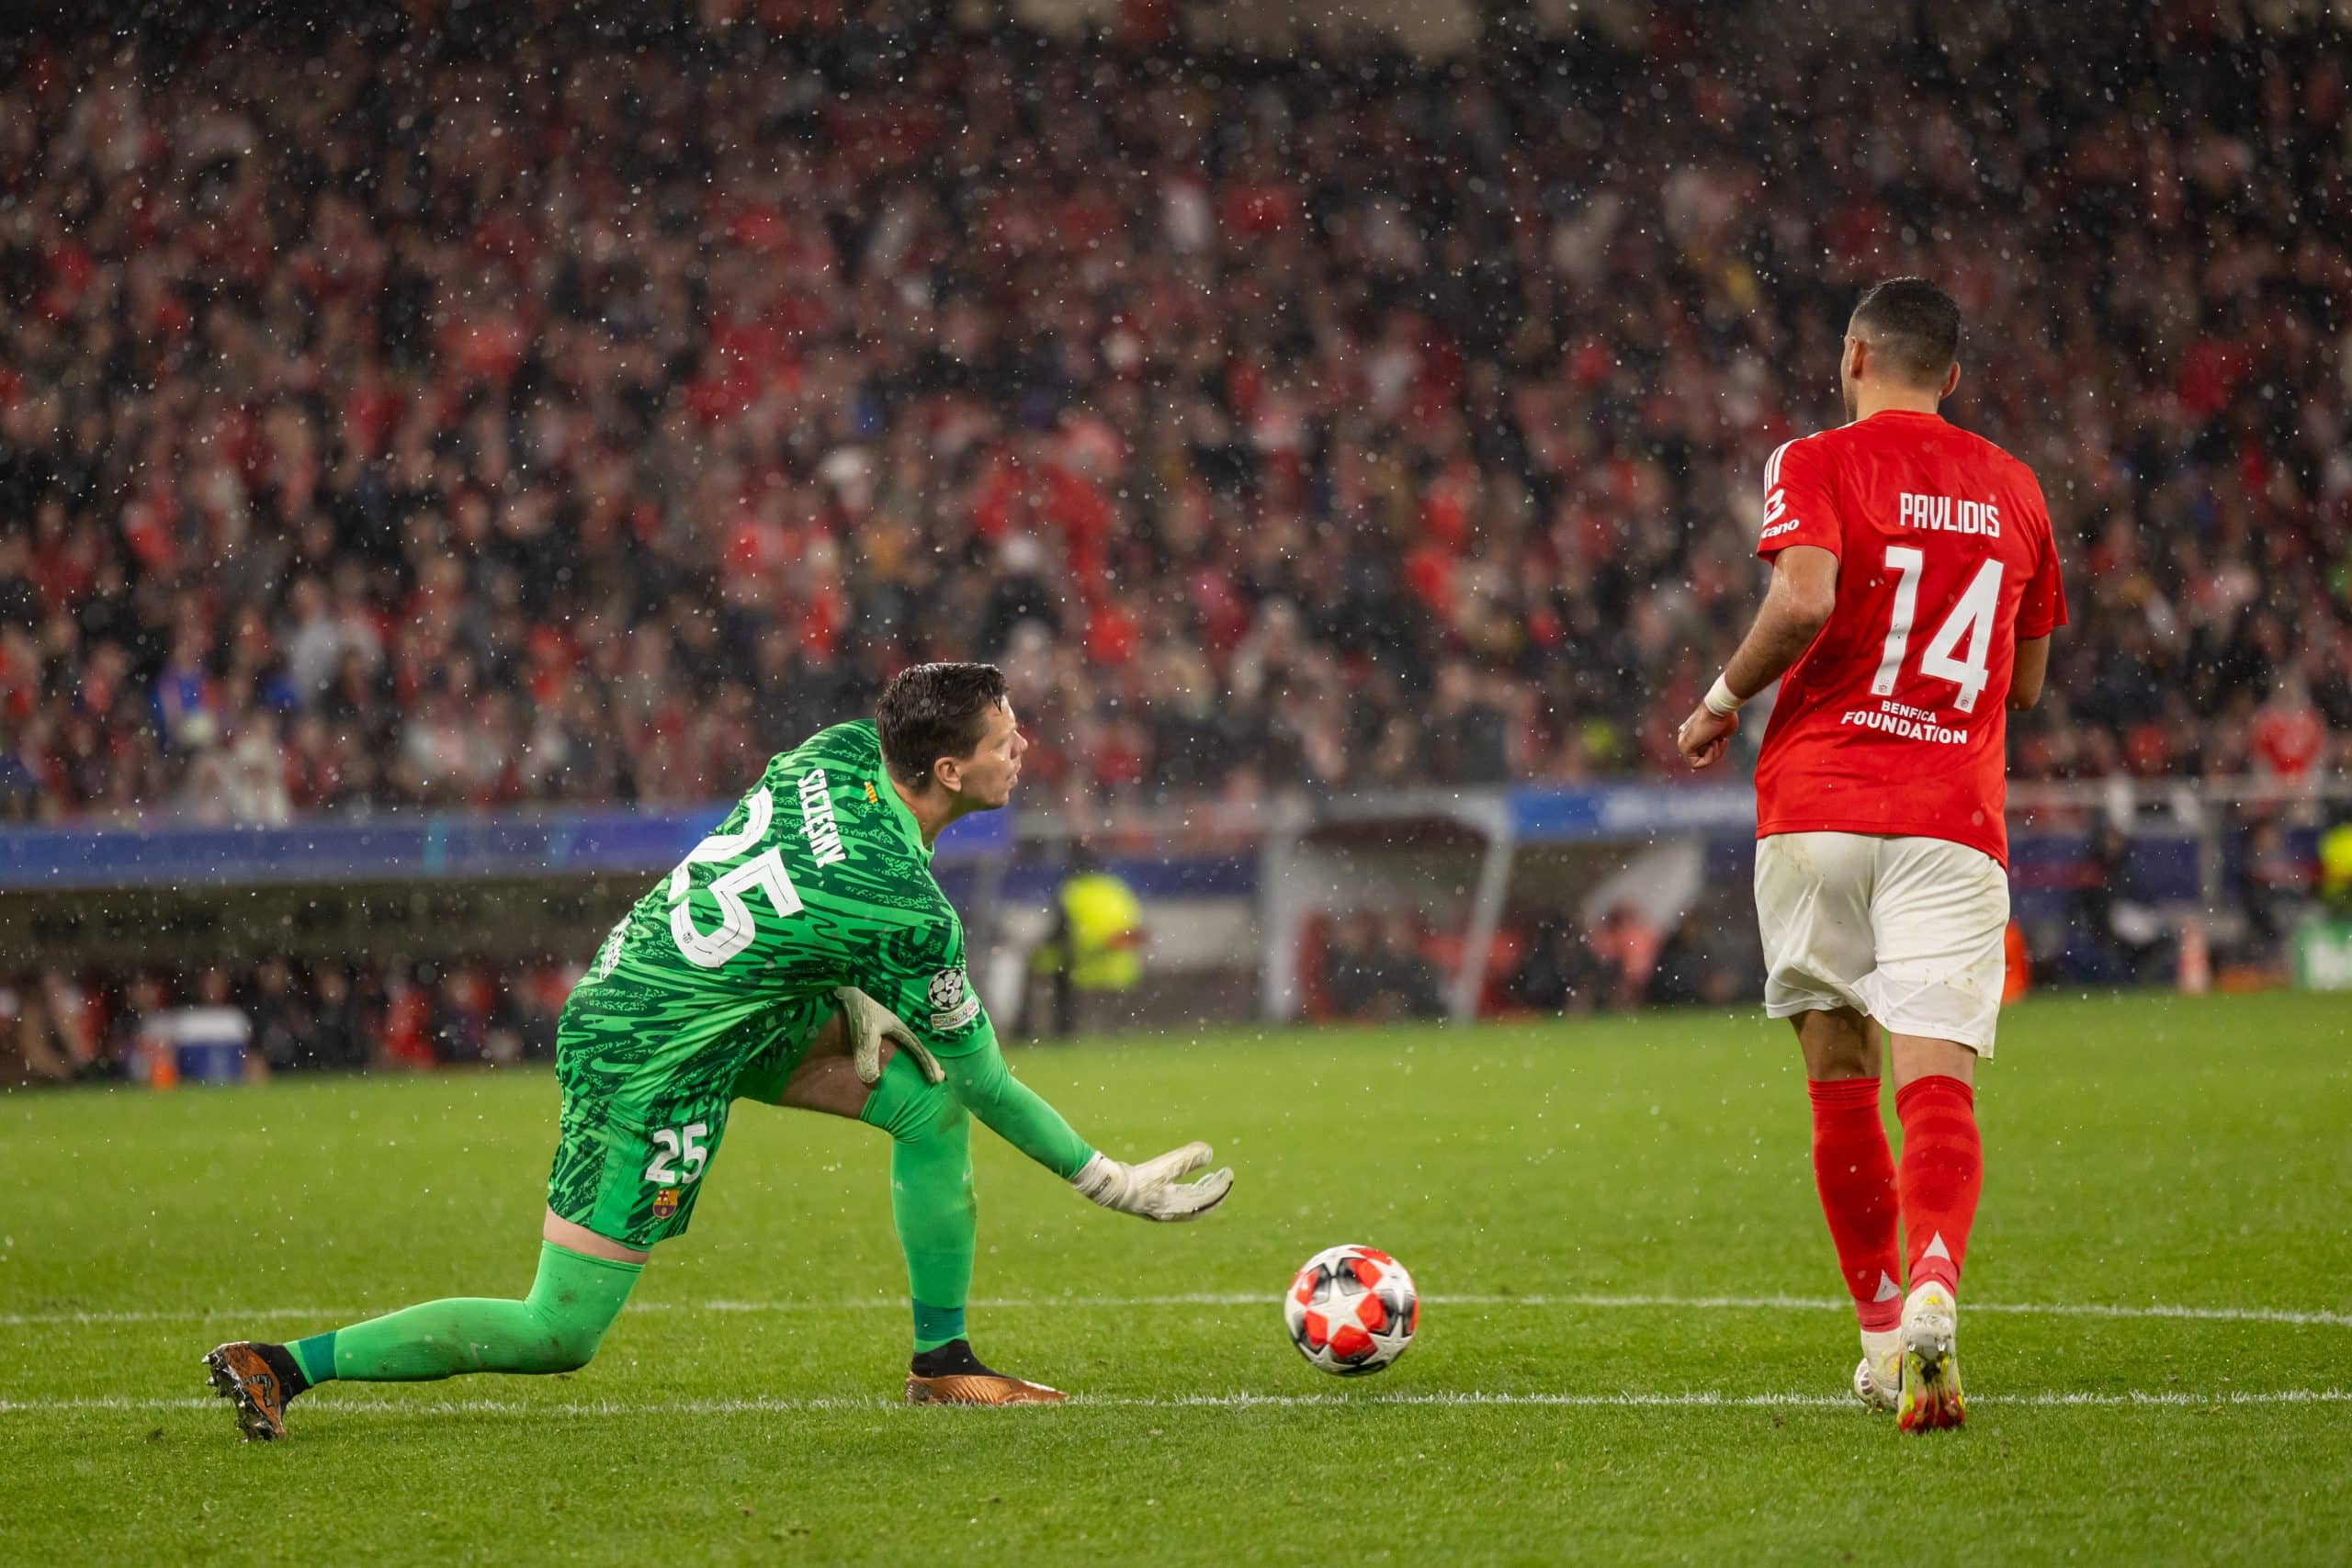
182	1314
2289	1315
1697	1399
1594	1301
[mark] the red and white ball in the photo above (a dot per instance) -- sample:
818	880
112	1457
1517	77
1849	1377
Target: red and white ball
1351	1309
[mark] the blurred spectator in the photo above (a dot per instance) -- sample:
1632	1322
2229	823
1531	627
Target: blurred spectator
284	1029
146	995
46	1034
27	1054
2335	867
1556	973
338	1035
1400	979
1627	947
2113	937
1095	946
243	781
460	1023
20	791
1694	966
530	1004
2272	889
1347	957
1373	969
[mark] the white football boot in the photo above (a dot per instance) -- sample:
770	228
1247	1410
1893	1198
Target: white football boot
1878	1376
1932	1398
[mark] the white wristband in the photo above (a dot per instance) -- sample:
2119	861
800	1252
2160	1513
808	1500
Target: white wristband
1720	700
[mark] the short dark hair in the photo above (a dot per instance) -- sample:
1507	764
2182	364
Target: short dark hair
1915	325
930	711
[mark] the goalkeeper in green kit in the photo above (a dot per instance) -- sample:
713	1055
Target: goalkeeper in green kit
801	955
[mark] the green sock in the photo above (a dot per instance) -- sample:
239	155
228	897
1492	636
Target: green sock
935	1326
931	1195
554	1329
315	1356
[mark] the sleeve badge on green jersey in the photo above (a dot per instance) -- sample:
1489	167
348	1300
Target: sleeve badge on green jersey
954	1004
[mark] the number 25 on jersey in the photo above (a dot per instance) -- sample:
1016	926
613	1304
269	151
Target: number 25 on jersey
763	872
1970	618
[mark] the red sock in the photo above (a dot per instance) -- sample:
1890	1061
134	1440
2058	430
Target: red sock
1943	1170
1855	1173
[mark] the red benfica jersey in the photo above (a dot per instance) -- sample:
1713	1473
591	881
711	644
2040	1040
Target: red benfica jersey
1895	720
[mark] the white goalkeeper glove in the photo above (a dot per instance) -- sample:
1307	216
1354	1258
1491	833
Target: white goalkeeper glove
1150	1189
870	1023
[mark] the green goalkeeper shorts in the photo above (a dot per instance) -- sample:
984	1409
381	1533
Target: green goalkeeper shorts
645	1104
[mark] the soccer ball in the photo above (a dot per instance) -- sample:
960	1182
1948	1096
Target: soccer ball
1352	1311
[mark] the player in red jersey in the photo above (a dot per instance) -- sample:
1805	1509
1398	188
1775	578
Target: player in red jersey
1915	586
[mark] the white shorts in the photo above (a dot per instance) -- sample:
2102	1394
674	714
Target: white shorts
1908	930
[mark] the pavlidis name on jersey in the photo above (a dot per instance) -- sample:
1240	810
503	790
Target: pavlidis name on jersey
1949	515
1895	719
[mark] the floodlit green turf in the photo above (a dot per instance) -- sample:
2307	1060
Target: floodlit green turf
2151	1151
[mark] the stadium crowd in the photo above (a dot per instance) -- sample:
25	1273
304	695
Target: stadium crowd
472	417
60	1026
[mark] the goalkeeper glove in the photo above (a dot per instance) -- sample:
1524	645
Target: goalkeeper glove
1150	1189
870	1023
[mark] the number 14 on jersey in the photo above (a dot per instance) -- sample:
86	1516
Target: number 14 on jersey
1969	619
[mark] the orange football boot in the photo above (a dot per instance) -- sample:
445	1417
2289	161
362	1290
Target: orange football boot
241	1371
980	1388
952	1375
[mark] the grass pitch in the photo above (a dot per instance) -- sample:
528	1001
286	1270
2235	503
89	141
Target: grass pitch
1630	1346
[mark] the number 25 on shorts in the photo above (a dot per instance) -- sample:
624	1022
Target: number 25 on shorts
683	1144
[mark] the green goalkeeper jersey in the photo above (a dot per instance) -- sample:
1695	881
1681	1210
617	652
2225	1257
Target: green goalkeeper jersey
715	984
817	878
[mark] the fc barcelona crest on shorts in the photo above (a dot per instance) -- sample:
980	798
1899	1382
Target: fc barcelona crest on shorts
665	1202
